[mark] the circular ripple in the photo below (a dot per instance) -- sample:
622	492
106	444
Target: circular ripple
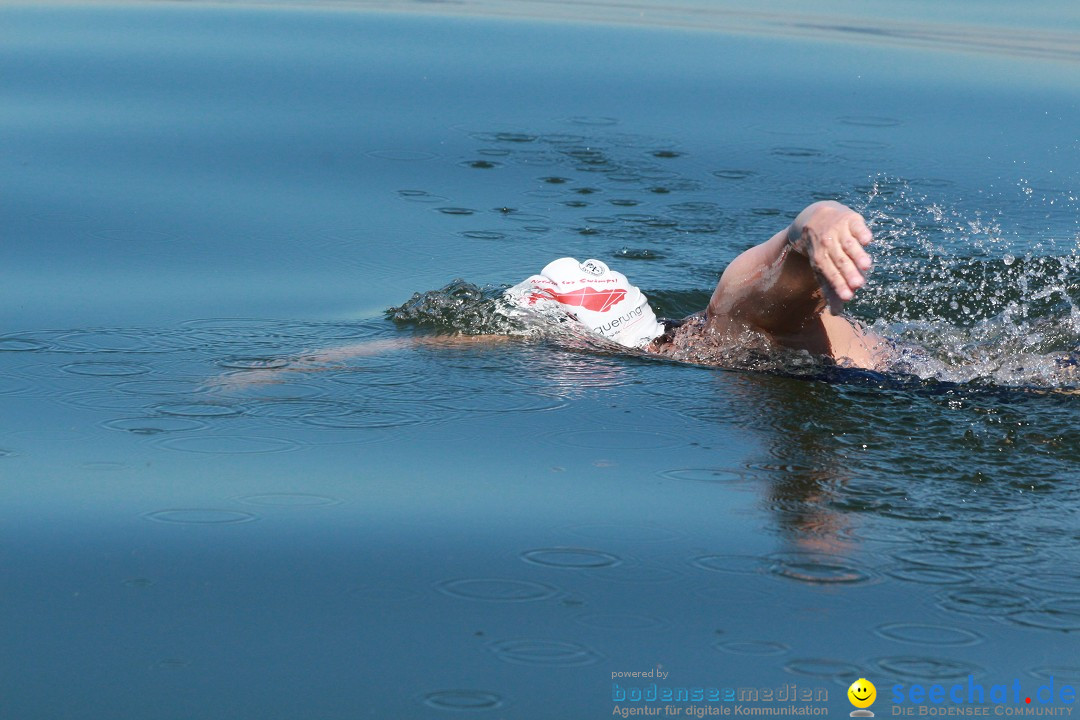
1052	582
289	500
158	387
868	121
462	700
1061	613
289	408
198	410
484	234
944	559
617	439
105	369
706	475
253	363
499	402
421	196
20	344
456	211
106	400
817	569
229	444
278	392
200	516
365	419
497	589
154	425
737	564
931	576
863	144
926	668
915	513
594	120
734	174
109	341
1064	673
824	668
753	647
916	634
797	153
621	621
549	653
570	558
983	601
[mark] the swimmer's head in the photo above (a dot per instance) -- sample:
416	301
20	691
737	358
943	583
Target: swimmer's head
596	296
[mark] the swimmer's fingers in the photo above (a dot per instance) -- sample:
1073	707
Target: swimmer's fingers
860	230
836	262
852	247
830	277
852	261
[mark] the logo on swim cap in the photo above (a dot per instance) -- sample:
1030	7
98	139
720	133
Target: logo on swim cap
593	267
588	298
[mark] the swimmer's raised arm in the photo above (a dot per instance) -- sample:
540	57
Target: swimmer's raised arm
787	281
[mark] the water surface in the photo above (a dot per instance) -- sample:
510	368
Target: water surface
197	195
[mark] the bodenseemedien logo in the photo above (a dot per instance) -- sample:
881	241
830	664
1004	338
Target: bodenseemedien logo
862	694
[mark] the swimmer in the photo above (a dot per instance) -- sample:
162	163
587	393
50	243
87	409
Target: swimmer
787	293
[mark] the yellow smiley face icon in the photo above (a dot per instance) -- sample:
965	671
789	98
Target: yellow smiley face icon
862	693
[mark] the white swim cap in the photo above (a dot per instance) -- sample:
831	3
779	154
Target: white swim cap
600	298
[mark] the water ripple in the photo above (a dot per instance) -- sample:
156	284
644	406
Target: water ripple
926	668
818	568
458	700
920	634
753	647
570	558
198	410
153	425
983	601
105	369
289	500
200	516
736	564
15	343
497	589
548	653
931	576
1058	613
707	475
825	668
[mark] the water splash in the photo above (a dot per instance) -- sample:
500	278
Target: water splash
978	304
462	308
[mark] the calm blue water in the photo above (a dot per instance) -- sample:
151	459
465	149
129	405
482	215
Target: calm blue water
193	196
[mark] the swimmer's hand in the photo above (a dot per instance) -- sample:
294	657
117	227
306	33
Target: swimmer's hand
832	236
